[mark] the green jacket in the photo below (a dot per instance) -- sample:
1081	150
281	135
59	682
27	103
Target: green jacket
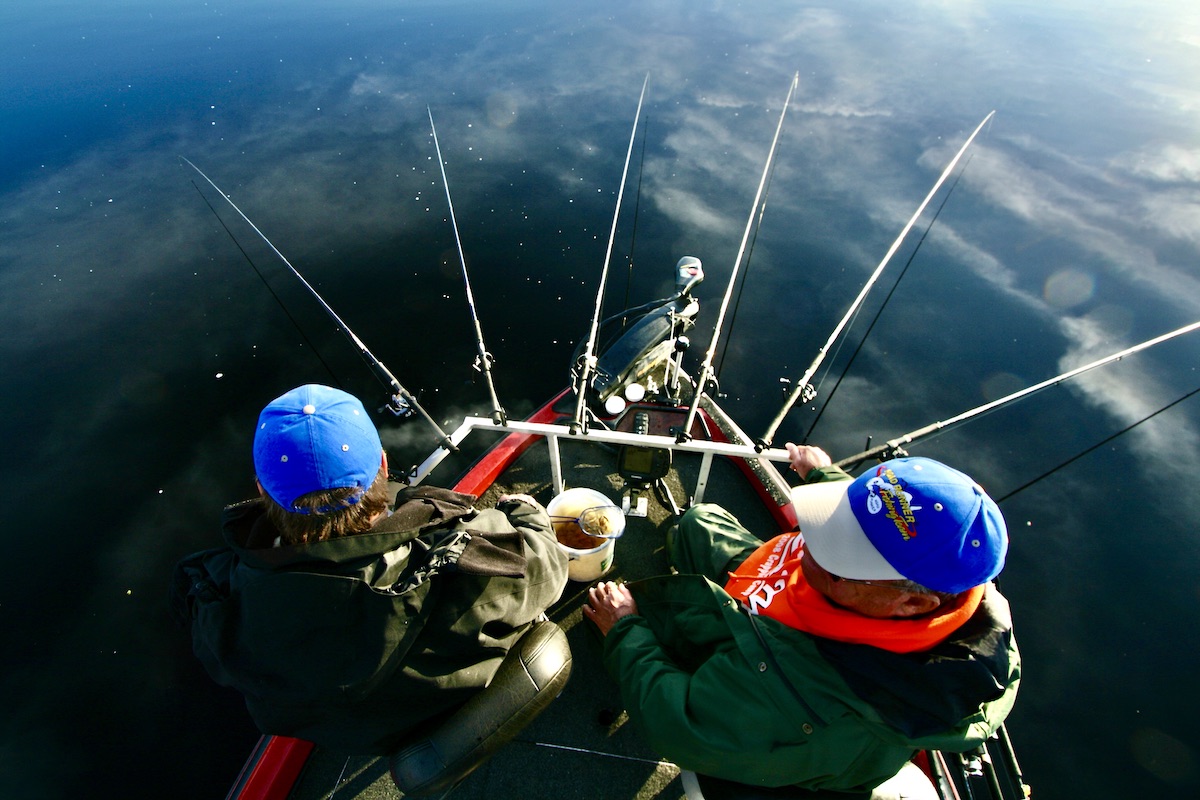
752	700
749	699
354	641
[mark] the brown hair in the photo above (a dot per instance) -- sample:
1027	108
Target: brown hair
344	520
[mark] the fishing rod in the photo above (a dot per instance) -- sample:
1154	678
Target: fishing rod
804	389
894	447
483	359
589	360
706	371
882	306
637	206
402	403
762	212
267	284
1096	446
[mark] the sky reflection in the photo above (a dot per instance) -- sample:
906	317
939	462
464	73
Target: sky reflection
1073	232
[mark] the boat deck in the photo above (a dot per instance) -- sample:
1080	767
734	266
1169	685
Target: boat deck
583	745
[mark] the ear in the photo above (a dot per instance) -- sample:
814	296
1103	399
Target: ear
909	604
261	491
383	462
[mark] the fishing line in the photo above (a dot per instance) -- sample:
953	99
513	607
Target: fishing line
894	446
338	783
803	390
746	271
265	283
862	342
402	402
637	204
1096	446
588	362
706	370
658	762
483	359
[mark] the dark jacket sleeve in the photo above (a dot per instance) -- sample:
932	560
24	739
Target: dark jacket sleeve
199	577
713	703
547	567
827	475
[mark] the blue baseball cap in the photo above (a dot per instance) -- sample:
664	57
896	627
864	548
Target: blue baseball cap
909	518
312	439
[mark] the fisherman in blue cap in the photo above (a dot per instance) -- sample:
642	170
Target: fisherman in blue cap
825	658
347	618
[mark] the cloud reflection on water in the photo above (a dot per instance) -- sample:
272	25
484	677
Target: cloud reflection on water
122	299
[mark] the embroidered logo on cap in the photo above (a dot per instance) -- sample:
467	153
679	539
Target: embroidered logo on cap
886	493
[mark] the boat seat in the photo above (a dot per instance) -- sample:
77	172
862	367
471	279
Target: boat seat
910	783
531	675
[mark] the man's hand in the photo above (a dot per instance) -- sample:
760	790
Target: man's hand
607	603
806	458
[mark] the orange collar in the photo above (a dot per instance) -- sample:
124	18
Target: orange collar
770	582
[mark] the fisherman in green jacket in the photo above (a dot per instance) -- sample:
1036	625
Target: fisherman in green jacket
343	618
824	658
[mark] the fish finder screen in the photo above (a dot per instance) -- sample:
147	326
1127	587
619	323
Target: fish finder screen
644	463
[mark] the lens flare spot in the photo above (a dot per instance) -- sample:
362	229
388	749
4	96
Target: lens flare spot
1164	756
1068	287
502	109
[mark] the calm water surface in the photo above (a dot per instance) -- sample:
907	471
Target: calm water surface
138	345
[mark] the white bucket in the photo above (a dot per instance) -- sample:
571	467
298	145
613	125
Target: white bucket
588	564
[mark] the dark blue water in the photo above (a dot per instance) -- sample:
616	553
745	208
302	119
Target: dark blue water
138	344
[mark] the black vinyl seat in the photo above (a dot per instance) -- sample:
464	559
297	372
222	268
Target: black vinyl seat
531	675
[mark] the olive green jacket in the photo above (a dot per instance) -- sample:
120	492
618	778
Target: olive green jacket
749	699
353	641
746	698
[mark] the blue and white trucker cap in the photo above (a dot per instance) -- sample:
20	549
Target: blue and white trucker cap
315	438
909	518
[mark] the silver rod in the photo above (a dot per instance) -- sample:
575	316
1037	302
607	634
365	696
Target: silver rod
803	384
706	369
483	359
893	445
589	357
402	398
